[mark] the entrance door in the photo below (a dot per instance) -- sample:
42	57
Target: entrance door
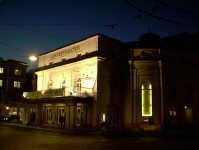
112	117
189	116
48	115
60	113
78	120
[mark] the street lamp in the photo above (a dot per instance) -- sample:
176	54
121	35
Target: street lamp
33	57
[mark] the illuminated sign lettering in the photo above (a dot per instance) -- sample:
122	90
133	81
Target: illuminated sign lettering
65	52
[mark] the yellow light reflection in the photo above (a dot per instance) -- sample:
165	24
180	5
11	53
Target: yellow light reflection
146	102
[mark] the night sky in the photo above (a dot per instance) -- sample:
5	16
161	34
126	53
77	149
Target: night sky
38	26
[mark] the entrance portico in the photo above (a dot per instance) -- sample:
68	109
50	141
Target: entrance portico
75	110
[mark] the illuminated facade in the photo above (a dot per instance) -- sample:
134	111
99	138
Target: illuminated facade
12	84
145	85
78	81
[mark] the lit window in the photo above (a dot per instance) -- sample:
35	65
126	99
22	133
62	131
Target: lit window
17	72
146	99
1	82
17	84
1	70
102	118
13	110
79	85
172	114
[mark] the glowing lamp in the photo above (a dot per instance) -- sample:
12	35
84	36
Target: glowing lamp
33	57
185	106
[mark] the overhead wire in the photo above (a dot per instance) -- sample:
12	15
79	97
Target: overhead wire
177	9
33	21
14	47
160	18
33	30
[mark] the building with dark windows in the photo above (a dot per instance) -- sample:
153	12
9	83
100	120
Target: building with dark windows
163	87
12	83
149	84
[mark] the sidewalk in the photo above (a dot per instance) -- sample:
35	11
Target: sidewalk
171	132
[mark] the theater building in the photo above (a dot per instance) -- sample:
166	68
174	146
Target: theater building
75	81
144	85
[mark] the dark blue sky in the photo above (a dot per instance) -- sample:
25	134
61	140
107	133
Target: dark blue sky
39	26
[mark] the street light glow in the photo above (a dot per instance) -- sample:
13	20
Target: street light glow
33	57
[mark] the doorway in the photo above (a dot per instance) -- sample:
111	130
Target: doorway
60	113
79	116
189	116
48	114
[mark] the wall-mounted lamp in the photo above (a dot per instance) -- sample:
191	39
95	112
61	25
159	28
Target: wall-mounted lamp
185	106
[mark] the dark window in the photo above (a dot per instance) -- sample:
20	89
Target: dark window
188	91
172	90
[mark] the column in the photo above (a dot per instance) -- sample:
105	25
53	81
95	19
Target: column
27	114
39	114
73	116
70	116
86	115
67	116
36	113
53	114
135	104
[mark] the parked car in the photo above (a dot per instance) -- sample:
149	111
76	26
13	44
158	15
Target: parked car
2	118
12	117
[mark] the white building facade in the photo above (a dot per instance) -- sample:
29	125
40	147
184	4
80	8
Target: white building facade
75	82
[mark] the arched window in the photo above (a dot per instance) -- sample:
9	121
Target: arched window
146	99
79	84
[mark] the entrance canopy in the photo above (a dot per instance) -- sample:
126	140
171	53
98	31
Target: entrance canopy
66	100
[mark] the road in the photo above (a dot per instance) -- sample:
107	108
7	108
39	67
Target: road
13	137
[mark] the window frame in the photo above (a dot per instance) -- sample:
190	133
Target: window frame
17	72
1	70
17	84
1	83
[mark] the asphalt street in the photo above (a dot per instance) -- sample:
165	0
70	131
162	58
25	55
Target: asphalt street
17	137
